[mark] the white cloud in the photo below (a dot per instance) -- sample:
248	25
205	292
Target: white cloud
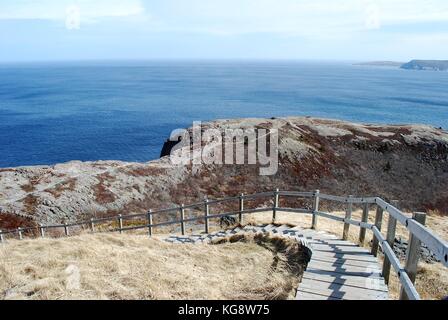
321	18
73	18
373	18
89	10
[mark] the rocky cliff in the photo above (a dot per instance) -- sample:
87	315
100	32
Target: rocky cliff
408	162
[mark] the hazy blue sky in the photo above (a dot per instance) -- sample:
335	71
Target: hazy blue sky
223	29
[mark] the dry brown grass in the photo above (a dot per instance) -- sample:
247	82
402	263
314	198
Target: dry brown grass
115	266
432	279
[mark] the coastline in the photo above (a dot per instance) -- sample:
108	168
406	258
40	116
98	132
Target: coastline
335	156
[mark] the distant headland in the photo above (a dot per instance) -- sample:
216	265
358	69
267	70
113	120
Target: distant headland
380	64
433	65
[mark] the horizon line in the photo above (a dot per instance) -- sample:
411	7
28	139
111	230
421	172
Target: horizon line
93	60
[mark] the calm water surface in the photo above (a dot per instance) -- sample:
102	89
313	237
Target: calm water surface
52	113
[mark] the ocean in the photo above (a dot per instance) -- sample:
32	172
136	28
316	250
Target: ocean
57	112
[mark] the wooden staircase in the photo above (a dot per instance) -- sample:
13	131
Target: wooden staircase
337	269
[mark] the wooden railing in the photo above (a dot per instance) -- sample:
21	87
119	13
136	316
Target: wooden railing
418	233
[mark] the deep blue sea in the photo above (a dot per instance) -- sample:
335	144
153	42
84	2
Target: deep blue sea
57	112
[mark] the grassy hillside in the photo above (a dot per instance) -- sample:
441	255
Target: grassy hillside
111	266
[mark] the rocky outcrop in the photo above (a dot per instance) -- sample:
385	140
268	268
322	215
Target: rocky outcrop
401	246
433	65
408	162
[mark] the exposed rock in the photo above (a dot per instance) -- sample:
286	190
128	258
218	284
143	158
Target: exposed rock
408	162
401	246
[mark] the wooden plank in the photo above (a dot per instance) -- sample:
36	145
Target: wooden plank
241	203
342	292
345	271
42	230
347	257
150	222
348	215
182	219
404	278
413	253
333	198
342	279
433	242
120	223
315	209
335	242
397	214
207	213
391	230
365	219
296	194
338	249
313	235
339	261
336	246
366	289
373	268
378	223
307	296
275	208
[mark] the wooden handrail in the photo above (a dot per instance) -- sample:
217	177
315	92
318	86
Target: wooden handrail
423	234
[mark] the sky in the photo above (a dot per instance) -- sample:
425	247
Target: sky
362	30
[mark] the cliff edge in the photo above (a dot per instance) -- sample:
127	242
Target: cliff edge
405	162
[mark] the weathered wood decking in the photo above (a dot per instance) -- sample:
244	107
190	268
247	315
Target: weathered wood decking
338	269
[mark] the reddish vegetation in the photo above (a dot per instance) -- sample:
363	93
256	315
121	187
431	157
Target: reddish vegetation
337	158
440	206
102	194
30	202
28	187
11	221
67	185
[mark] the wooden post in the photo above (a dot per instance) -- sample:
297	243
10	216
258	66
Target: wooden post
149	217
42	230
413	253
365	218
378	223
1	237
348	215
66	230
315	209
19	230
207	213
241	208
120	223
92	225
274	209
182	218
391	230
